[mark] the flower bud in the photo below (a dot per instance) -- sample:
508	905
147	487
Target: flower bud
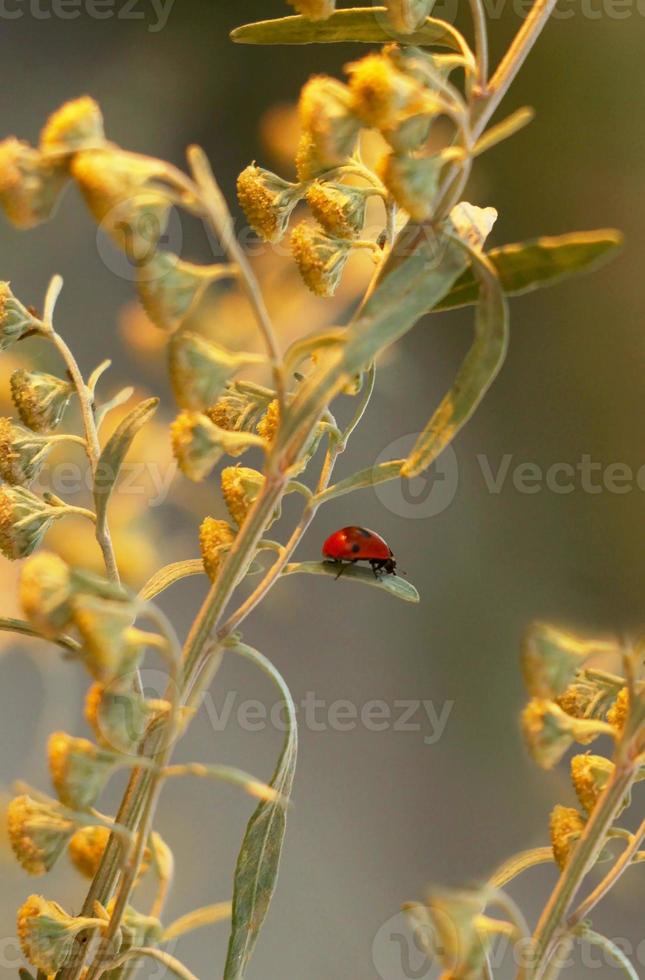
314	9
326	115
229	412
170	288
200	369
77	125
119	189
566	827
15	319
412	181
215	539
79	770
117	716
24	521
45	593
111	647
590	774
407	16
30	184
86	849
267	201
37	832
550	659
383	96
339	209
240	488
549	731
268	424
198	444
40	399
619	712
47	933
320	259
138	929
309	163
22	453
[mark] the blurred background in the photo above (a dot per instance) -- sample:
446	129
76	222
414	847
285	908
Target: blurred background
378	814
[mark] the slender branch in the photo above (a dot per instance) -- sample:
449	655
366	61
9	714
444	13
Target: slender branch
478	13
610	879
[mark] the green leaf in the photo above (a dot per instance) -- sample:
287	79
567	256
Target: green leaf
170	574
369	477
23	628
477	373
394	584
258	862
613	951
115	451
367	25
543	262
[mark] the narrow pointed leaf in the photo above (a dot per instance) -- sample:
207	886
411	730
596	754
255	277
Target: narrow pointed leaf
525	266
258	862
369	477
364	24
170	574
26	629
612	951
398	587
475	376
115	451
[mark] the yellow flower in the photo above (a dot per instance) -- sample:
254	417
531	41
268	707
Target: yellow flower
79	770
86	849
215	539
267	201
24	520
327	116
339	209
590	774
117	716
619	711
40	399
549	731
15	319
268	424
30	184
37	832
314	9
240	488
47	933
77	125
320	259
566	825
45	593
383	95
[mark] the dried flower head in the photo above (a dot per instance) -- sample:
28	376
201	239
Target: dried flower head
384	96
267	201
170	288
120	190
590	774
86	849
268	424
77	125
412	181
549	731
309	163
339	209
215	539
24	521
47	933
619	712
327	116
320	259
111	647
22	453
457	918
15	319
200	369
198	444
314	9
407	16
566	825
30	183
45	593
117	716
40	399
38	833
550	659
229	412
78	768
240	488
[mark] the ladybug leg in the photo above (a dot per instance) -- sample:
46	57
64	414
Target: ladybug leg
342	568
377	565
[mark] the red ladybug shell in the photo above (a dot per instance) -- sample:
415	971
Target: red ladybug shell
356	544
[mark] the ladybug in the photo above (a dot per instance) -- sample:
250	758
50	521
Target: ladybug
352	544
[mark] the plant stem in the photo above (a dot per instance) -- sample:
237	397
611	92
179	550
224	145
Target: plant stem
481	44
610	879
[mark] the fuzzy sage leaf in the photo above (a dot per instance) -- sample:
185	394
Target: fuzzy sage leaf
367	25
170	574
115	451
398	587
525	266
258	862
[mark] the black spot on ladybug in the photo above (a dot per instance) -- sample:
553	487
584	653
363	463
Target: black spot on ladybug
356	548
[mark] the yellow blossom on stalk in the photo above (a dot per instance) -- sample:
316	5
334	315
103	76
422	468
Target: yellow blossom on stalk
240	488
47	933
327	117
320	259
111	647
199	444
40	399
79	770
38	833
314	9
549	731
550	659
77	125
24	520
566	825
117	715
340	210
590	774
45	593
215	539
267	201
86	849
15	319
227	412
30	184
199	369
619	712
22	453
268	425
383	95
